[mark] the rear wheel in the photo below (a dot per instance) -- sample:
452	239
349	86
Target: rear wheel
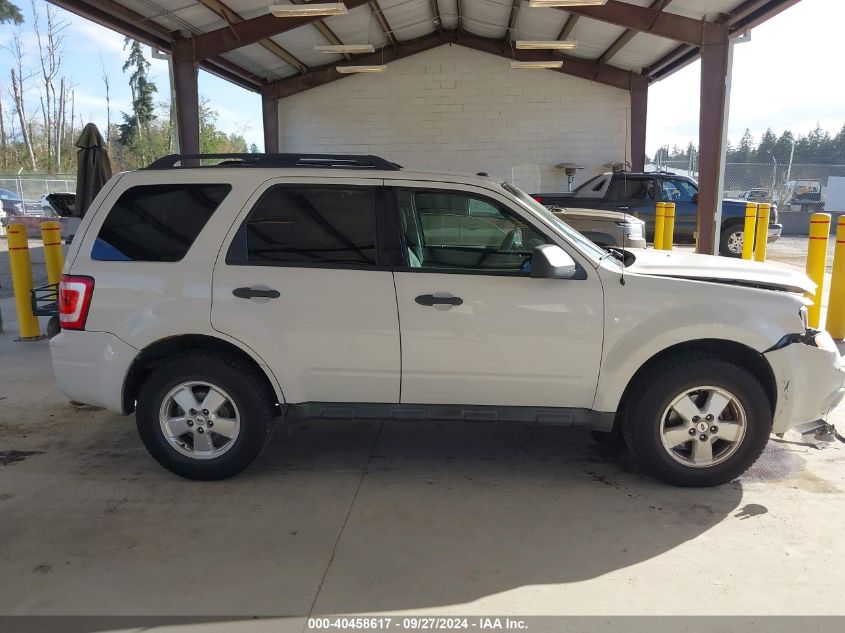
204	415
733	237
697	420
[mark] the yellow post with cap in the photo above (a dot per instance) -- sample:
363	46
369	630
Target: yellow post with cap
816	261
749	230
761	242
669	226
51	234
835	321
21	267
659	220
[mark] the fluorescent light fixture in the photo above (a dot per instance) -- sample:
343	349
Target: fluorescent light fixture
566	3
548	64
348	70
551	45
346	48
307	10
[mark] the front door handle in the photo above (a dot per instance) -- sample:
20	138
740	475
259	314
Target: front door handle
622	208
431	300
256	293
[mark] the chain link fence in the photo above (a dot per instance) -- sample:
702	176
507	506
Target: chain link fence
30	187
795	187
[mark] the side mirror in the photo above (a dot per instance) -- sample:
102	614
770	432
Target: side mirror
551	261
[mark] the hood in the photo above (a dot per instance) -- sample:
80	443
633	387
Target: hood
685	265
597	215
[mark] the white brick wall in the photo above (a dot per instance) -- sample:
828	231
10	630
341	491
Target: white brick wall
457	109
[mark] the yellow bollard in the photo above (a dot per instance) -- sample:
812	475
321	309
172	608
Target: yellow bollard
748	232
835	321
762	238
816	260
669	226
659	219
51	234
22	282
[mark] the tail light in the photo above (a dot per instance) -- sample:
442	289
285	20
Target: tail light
75	294
538	199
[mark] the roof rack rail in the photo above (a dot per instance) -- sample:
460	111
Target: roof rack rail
332	161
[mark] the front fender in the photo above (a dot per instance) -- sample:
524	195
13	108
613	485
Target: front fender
649	315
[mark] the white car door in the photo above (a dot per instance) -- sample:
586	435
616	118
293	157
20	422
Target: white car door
476	328
302	280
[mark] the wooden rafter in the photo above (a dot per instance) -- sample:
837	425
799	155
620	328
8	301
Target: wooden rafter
511	24
233	17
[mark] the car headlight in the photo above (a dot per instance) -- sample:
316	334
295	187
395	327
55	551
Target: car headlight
631	229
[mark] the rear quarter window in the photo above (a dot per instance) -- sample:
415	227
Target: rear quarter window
157	223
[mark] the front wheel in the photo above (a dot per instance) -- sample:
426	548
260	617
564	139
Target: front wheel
697	420
204	415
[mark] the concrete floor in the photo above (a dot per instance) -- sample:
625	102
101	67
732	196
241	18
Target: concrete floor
364	517
353	517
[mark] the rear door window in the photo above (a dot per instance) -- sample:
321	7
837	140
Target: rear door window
309	225
157	223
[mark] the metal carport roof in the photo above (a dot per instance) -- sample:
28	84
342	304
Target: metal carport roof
241	41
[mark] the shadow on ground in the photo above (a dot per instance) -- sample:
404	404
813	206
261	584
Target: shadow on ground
336	517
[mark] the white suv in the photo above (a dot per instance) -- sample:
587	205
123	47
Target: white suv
212	299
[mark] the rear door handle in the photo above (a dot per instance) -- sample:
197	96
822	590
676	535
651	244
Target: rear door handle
622	208
431	300
256	293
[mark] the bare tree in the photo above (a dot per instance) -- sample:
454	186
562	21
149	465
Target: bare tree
107	84
19	79
4	147
50	44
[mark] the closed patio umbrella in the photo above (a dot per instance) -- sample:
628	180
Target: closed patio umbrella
93	167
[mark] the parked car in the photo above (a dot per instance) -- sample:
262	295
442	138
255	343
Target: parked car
638	194
605	228
12	204
803	195
756	195
212	300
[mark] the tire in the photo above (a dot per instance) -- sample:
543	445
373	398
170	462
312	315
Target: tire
676	378
247	414
731	235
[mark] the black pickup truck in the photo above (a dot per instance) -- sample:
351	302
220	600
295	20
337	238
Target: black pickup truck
638	194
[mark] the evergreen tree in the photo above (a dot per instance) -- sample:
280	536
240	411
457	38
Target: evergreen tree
766	149
135	130
9	13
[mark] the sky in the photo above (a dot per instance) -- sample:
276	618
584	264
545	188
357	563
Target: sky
239	110
787	77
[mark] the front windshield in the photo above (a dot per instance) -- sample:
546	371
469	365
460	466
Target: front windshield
532	205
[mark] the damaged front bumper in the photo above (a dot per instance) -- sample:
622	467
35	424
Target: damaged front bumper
810	379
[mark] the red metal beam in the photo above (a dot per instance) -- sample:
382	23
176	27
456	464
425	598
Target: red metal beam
714	69
746	16
585	69
248	32
118	18
639	117
628	35
568	27
270	118
647	20
384	25
326	74
187	105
